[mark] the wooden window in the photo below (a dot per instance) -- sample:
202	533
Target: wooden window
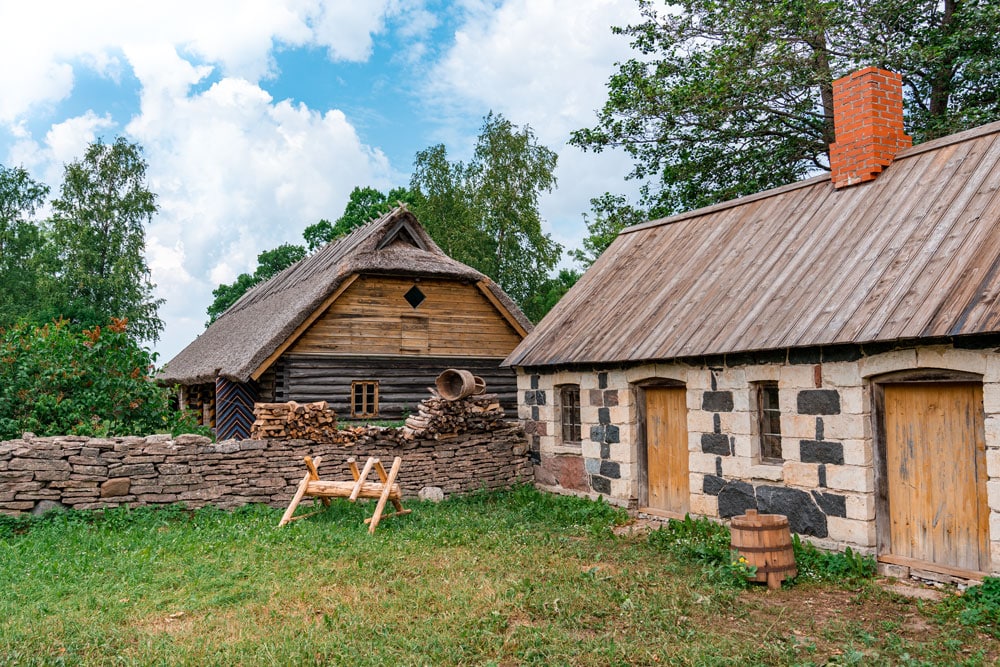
768	422
569	413
364	398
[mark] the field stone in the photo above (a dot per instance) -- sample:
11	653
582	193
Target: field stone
43	506
435	494
117	486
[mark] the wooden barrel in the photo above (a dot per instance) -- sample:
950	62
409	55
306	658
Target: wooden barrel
454	384
766	542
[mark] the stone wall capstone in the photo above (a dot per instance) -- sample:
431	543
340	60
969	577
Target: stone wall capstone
94	473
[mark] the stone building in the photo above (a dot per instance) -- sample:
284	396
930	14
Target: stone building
826	350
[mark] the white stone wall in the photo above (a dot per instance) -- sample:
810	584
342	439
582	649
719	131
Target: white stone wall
826	427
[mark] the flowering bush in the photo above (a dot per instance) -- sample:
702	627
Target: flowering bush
55	380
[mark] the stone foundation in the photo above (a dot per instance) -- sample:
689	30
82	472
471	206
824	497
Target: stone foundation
93	473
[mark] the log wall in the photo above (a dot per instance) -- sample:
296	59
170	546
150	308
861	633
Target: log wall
403	381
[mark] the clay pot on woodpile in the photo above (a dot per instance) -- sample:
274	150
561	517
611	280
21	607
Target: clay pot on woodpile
766	542
454	384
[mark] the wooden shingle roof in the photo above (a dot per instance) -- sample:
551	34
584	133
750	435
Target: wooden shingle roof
913	254
236	344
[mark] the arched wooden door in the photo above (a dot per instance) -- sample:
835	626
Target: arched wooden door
668	489
935	475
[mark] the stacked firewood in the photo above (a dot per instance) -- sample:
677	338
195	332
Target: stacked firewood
440	418
305	421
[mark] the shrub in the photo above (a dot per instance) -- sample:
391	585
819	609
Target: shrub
61	381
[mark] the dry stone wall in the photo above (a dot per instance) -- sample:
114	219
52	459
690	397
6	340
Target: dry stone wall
92	473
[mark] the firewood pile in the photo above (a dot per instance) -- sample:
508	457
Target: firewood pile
440	418
297	421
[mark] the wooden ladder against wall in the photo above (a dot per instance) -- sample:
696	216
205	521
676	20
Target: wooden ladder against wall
385	490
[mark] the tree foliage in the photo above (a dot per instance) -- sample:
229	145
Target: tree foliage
729	97
22	244
59	379
269	263
363	204
485	213
98	231
612	213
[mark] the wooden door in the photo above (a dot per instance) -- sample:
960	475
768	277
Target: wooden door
936	474
667	449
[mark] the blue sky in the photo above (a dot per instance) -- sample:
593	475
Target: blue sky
258	117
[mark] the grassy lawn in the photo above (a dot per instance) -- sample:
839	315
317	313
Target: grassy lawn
503	578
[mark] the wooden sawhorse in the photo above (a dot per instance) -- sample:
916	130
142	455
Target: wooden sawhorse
386	490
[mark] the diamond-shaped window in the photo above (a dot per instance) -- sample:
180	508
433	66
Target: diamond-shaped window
414	296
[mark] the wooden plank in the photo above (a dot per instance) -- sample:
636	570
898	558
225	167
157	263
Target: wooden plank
345	489
935	455
667	449
304	326
389	483
297	498
893	559
511	320
360	481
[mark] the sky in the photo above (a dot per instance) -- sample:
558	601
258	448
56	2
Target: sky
258	117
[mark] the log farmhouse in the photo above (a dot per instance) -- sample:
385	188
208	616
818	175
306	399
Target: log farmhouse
828	350
366	323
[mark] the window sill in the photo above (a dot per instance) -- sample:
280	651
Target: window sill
567	448
773	472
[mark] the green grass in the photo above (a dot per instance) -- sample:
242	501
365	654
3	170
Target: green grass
507	578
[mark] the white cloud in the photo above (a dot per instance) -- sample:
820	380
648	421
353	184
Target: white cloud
545	63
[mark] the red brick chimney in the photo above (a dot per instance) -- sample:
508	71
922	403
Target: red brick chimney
868	120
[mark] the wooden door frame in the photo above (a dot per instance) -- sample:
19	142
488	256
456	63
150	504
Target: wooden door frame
883	540
640	388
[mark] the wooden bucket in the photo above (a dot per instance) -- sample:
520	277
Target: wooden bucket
454	384
766	542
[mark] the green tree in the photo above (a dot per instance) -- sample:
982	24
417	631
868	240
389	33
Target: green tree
549	293
612	213
730	97
269	263
22	245
59	379
485	213
98	230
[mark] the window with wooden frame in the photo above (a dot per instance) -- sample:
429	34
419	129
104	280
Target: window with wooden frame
364	398
569	413
768	422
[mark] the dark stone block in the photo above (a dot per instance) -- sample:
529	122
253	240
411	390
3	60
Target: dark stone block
610	469
715	382
841	353
540	397
534	412
718	466
804	355
612	434
818	402
597	434
736	498
605	450
821	451
819	428
715	443
600	484
821	471
804	517
529	397
831	503
716	423
717	401
712	485
770	356
603	416
602	380
611	397
596	397
534	381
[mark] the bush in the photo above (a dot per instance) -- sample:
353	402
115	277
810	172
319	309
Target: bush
95	382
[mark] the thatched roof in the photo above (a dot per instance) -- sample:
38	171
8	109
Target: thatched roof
914	254
243	337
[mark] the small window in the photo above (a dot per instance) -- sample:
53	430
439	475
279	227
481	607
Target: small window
769	422
414	296
364	398
569	413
